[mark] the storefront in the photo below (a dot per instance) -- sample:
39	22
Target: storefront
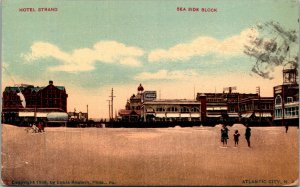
171	110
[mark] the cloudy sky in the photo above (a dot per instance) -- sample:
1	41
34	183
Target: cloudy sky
92	46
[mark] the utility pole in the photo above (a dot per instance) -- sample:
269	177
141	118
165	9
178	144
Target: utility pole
194	93
109	109
87	112
259	108
159	95
282	106
112	102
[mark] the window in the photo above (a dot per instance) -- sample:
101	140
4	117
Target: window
278	100
289	99
231	109
288	112
292	112
172	109
278	113
50	103
195	109
185	109
160	109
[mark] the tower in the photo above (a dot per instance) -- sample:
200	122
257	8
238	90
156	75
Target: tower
140	89
290	76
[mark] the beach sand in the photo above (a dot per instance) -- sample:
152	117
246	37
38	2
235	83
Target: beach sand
154	156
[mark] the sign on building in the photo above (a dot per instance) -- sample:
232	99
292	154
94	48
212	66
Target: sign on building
149	95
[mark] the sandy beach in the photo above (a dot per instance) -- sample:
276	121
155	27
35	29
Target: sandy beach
156	156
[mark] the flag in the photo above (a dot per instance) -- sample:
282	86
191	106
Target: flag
22	98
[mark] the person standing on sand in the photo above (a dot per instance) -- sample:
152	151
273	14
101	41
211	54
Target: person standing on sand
236	137
248	134
40	127
224	135
34	128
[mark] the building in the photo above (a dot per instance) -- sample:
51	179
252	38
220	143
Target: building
78	116
171	110
213	107
286	99
133	107
145	107
256	110
232	107
227	107
39	101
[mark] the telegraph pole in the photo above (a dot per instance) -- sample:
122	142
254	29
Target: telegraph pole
87	112
109	109
259	108
112	102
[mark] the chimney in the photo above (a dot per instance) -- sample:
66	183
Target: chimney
50	82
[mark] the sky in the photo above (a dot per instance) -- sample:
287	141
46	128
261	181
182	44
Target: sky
93	46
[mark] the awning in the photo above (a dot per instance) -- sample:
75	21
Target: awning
233	115
173	115
149	110
57	116
195	115
247	115
160	115
185	115
26	114
263	114
213	116
41	115
217	108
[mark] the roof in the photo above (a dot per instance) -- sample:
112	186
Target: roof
124	112
172	101
60	87
36	89
13	89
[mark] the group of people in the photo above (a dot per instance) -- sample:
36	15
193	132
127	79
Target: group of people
37	127
236	135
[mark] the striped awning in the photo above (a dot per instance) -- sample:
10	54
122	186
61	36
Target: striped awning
233	115
247	115
57	116
213	116
173	115
185	115
195	115
160	115
263	114
41	115
216	108
26	114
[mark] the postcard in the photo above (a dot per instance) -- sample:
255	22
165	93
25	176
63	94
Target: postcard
149	92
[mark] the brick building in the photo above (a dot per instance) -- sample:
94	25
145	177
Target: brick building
231	107
39	102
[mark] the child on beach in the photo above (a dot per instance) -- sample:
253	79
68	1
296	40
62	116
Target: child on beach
236	136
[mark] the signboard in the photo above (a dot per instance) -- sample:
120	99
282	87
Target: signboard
149	95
